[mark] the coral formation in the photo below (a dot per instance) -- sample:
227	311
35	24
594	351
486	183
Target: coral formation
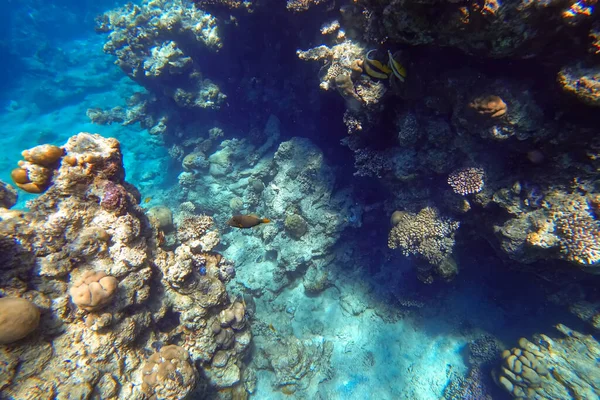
426	234
69	234
153	44
169	374
161	217
93	290
18	318
35	173
466	180
8	195
551	368
295	226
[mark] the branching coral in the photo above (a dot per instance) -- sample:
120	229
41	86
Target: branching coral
572	227
467	180
426	234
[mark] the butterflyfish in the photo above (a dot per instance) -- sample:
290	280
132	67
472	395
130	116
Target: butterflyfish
246	221
397	68
375	68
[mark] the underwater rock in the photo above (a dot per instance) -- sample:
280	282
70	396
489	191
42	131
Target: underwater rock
562	368
18	318
315	279
169	374
8	195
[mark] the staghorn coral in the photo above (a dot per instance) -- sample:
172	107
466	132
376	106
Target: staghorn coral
169	374
467	180
548	368
67	231
426	234
18	318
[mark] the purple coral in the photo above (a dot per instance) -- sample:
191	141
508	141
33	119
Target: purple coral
114	197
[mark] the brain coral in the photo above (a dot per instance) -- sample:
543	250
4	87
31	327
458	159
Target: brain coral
169	374
18	318
93	290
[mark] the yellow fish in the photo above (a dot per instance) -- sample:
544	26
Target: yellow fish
147	200
375	68
397	68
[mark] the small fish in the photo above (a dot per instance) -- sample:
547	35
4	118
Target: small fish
375	68
246	221
271	327
397	68
147	200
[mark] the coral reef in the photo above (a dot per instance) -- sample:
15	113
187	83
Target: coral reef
158	44
551	368
69	234
466	180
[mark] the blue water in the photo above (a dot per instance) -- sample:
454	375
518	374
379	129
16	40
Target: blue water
393	336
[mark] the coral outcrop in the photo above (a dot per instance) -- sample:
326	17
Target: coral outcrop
159	45
88	228
551	368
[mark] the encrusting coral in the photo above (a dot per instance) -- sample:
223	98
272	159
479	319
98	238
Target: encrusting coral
152	42
88	228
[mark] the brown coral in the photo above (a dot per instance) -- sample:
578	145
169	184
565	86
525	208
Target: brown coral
467	180
488	106
426	234
18	318
93	290
35	173
169	373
